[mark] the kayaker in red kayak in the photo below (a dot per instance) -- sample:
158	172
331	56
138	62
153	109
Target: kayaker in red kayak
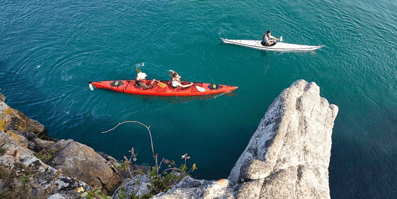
176	81
140	77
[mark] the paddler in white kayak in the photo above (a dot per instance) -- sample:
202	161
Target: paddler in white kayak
268	39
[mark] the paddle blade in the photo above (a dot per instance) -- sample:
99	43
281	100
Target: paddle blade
281	38
91	87
138	70
201	89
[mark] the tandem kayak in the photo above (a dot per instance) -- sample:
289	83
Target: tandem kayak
163	88
279	46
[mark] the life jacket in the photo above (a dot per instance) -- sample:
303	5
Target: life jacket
263	42
174	82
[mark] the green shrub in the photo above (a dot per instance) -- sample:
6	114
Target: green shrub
159	181
44	156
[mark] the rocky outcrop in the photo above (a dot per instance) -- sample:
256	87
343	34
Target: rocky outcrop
82	162
13	119
136	186
32	165
287	157
23	174
289	154
192	188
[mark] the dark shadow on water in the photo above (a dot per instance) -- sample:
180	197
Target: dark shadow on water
364	168
263	53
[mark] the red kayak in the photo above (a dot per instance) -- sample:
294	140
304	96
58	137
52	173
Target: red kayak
163	88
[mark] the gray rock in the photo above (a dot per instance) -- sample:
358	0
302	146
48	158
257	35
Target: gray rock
289	154
189	182
58	196
45	178
2	97
132	187
192	188
82	162
68	183
21	138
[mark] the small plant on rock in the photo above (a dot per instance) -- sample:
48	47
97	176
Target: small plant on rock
122	194
159	181
17	181
44	156
24	180
2	151
96	193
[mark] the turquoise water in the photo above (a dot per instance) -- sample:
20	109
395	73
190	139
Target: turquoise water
49	50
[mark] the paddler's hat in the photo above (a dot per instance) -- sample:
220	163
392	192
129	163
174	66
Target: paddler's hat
141	76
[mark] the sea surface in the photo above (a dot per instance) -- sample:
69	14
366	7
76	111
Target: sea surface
50	49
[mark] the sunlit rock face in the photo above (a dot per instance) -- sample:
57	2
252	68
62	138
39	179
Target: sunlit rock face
289	154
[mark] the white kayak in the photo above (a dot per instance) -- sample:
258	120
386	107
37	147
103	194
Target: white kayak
279	46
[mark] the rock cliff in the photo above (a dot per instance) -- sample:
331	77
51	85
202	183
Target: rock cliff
289	154
287	157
